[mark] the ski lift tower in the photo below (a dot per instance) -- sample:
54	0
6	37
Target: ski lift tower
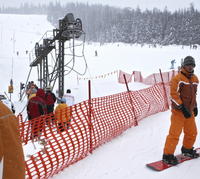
69	28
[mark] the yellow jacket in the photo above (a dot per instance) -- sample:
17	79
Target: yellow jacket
62	113
11	152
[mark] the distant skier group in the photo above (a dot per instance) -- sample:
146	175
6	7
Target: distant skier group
40	102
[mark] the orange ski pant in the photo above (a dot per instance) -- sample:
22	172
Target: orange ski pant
179	123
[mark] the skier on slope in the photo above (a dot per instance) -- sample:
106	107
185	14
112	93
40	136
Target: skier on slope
50	99
11	151
172	64
183	88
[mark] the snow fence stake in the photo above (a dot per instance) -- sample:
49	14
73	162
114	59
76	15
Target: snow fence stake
90	114
131	101
165	91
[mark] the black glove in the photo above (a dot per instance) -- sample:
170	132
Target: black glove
185	111
195	111
13	109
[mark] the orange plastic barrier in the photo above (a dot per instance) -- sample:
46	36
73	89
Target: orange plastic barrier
92	124
149	80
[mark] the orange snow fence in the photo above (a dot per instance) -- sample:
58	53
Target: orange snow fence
127	76
149	80
91	125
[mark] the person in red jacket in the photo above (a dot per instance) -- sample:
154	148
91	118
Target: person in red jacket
35	108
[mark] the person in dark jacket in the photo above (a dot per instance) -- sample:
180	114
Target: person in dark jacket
50	99
183	91
35	108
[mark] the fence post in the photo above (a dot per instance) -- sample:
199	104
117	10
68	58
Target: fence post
90	114
131	101
154	78
168	76
165	91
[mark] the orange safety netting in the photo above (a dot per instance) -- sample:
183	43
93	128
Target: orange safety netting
92	124
149	80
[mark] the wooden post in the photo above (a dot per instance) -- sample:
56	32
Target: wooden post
131	101
165	91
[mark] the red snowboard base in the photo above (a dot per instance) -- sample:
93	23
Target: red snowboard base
160	165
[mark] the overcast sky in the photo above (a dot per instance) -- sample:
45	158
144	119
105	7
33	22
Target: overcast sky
143	4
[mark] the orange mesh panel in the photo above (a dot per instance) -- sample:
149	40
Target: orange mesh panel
149	80
121	77
138	76
156	78
110	116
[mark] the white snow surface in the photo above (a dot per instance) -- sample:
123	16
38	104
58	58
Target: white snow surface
126	155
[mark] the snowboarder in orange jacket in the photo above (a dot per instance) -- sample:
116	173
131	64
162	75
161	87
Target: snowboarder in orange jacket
183	89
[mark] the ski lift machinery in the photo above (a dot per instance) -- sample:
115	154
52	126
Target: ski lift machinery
69	30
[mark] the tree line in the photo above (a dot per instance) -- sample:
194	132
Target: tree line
25	8
107	24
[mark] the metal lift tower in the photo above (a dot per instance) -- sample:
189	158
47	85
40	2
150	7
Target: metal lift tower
69	29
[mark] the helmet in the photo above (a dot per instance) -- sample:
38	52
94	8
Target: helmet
188	61
68	91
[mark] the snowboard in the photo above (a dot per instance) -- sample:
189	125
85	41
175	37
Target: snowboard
160	165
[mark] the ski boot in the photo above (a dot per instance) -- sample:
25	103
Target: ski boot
189	152
169	159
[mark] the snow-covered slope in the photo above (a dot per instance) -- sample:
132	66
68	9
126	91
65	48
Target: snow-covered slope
18	35
125	156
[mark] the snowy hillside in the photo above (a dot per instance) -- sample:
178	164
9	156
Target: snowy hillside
18	35
125	156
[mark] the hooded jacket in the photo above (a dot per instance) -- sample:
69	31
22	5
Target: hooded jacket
62	113
11	152
183	89
37	105
50	98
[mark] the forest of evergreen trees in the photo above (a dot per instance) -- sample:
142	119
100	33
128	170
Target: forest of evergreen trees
110	24
25	8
